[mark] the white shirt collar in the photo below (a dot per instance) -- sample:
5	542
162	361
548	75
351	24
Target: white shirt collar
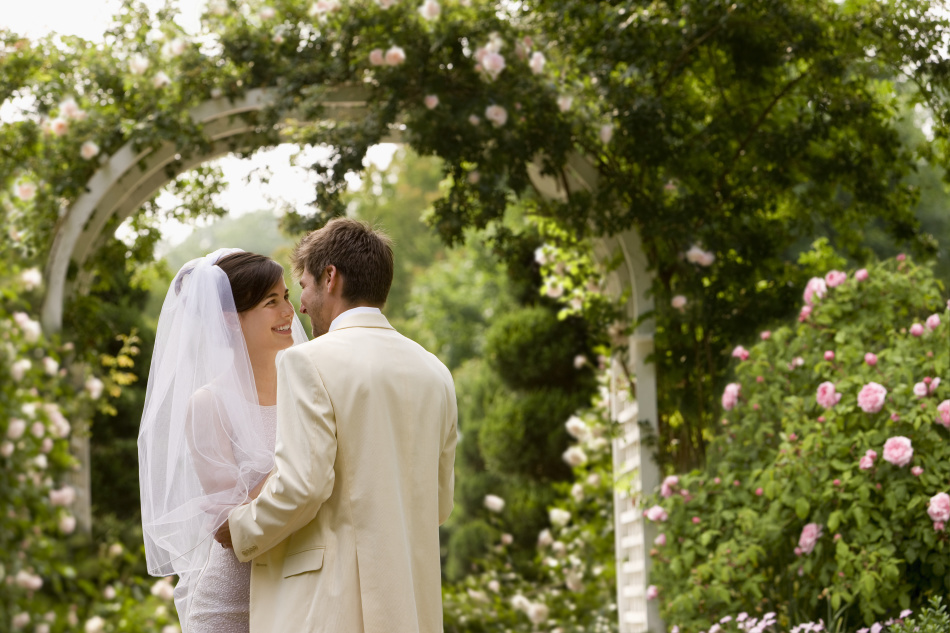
360	310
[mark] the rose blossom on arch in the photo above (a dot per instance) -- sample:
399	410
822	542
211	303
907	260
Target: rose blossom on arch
59	126
809	538
497	114
898	450
861	275
564	103
939	507
138	64
652	592
25	190
559	517
933	322
740	352
493	63
730	396
666	488
804	314
835	278
606	133
537	62
430	10
679	303
872	397
89	150
657	514
494	503
395	56
377	57
826	396
815	289
574	456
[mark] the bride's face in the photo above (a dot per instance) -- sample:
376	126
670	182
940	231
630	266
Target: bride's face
267	326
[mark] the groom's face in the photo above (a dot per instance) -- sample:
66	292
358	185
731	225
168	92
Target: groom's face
313	302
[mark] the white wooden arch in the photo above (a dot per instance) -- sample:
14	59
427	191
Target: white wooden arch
128	178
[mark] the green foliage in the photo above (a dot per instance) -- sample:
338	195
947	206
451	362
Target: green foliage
531	348
785	458
932	619
567	580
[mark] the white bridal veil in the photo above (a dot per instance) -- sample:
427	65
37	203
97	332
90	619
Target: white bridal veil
202	447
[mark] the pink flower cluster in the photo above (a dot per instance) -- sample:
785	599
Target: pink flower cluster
668	485
657	514
826	396
898	451
872	397
815	289
835	278
730	397
926	387
867	462
943	413
740	352
809	538
939	510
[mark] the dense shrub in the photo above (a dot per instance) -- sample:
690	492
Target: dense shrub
824	495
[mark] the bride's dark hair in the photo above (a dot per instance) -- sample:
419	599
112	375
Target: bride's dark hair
251	277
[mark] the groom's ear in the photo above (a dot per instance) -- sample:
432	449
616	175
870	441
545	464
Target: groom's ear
334	280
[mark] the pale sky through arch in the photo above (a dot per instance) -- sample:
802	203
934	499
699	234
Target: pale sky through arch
90	18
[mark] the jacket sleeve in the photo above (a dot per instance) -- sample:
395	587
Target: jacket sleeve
447	457
303	475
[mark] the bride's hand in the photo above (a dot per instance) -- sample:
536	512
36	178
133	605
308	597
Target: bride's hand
223	536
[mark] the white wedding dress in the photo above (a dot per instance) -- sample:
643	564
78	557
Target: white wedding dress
220	601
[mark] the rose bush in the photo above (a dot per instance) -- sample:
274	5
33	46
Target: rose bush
54	578
798	514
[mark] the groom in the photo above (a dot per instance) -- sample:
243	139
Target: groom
344	536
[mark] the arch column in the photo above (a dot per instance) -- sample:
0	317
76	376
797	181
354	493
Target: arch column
635	471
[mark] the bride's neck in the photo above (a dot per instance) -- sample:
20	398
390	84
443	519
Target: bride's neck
265	377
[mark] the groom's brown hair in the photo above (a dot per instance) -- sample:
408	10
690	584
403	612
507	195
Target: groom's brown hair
363	256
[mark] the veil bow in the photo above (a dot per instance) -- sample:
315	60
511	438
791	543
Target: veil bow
201	443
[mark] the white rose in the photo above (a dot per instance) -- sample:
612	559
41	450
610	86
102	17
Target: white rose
95	624
163	589
25	191
377	57
395	56
537	62
494	586
493	63
138	64
67	524
59	126
431	101
50	366
160	80
31	331
31	278
520	603
574	456
94	387
430	9
497	115
538	613
69	108
606	133
16	429
576	427
494	503
545	538
6	449
564	103
559	517
474	119
267	13
679	302
175	47
41	462
577	491
38	429
19	369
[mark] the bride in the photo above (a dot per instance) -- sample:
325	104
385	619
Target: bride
207	437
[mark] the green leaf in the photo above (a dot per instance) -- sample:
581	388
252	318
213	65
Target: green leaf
802	508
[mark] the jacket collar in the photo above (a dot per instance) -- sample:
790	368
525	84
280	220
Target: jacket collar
364	320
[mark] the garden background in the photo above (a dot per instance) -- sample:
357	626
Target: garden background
753	147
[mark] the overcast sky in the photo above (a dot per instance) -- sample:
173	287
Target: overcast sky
90	18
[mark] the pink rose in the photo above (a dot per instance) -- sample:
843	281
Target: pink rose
666	488
815	289
939	507
493	63
939	526
656	513
872	397
917	471
809	538
898	451
835	278
826	395
679	302
758	492
740	352
652	592
933	322
766	335
660	541
866	463
861	275
921	390
829	355
804	314
870	359
901	257
916	330
943	413
431	101
696	520
376	57
933	385
730	397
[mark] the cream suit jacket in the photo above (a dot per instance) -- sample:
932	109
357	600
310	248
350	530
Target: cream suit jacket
344	536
